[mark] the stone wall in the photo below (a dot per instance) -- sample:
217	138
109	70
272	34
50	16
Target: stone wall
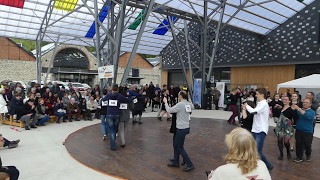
148	75
18	70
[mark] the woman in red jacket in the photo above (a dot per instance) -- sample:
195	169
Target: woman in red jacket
49	102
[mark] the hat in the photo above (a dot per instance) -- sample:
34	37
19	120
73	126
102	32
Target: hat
2	89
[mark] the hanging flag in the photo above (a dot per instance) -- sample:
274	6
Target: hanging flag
138	20
12	3
65	5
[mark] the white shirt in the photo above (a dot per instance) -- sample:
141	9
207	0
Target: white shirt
233	172
261	119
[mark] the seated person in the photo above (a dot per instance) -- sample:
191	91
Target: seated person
49	102
92	106
65	99
41	113
60	110
36	100
10	144
243	160
12	171
74	95
16	104
83	109
73	108
3	102
27	113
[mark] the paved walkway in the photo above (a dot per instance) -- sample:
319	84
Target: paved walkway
42	156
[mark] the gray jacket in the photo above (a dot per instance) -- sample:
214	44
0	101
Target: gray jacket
183	116
125	113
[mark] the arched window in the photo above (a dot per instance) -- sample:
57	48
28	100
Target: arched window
71	58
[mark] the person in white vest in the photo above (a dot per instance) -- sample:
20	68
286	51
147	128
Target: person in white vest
3	102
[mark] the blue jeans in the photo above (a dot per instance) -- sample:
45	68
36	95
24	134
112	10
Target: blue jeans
113	123
260	137
60	115
178	143
104	124
44	119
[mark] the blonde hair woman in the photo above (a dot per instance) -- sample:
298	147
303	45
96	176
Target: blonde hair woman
243	161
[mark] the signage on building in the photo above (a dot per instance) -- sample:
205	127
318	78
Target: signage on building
197	91
105	72
221	87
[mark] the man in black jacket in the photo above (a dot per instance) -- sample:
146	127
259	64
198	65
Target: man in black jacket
150	93
27	113
12	171
55	88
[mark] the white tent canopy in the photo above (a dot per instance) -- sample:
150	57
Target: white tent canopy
312	82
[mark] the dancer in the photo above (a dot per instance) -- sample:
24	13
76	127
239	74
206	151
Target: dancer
125	109
284	127
163	108
260	122
183	110
139	107
233	106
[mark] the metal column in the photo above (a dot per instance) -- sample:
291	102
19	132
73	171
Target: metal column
97	41
204	51
189	54
136	44
52	58
180	56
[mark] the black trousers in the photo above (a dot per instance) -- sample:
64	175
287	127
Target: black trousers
6	142
13	172
303	141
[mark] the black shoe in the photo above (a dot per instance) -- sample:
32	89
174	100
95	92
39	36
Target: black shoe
168	119
12	145
77	119
133	122
159	118
153	110
308	158
43	124
123	146
173	165
288	155
187	169
171	160
37	124
27	128
270	168
140	122
32	126
183	163
16	141
280	157
113	149
70	120
298	160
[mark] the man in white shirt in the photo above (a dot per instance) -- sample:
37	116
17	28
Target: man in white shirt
260	124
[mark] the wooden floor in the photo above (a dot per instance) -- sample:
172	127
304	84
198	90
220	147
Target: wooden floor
149	147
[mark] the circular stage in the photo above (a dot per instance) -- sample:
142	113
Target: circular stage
149	148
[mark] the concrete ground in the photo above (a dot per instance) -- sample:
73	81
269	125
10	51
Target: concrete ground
41	154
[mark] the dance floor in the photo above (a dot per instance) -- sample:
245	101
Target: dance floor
149	148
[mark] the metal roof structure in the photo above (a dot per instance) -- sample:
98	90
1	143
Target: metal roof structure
72	20
138	26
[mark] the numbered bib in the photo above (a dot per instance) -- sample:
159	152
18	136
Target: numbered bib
135	101
188	108
113	102
123	106
104	103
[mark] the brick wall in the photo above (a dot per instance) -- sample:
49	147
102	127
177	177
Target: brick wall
138	61
9	50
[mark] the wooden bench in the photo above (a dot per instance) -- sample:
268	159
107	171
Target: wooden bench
53	119
11	122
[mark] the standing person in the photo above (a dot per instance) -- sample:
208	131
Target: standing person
304	130
216	96
242	160
247	118
171	95
295	100
183	110
95	89
314	103
233	106
125	108
276	106
138	108
150	92
284	127
113	113
260	124
12	171
104	122
55	88
61	92
165	94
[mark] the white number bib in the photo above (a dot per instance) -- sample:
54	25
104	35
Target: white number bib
123	106
104	103
188	108
113	102
135	101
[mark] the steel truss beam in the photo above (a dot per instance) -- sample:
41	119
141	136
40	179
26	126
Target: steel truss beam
52	58
136	44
